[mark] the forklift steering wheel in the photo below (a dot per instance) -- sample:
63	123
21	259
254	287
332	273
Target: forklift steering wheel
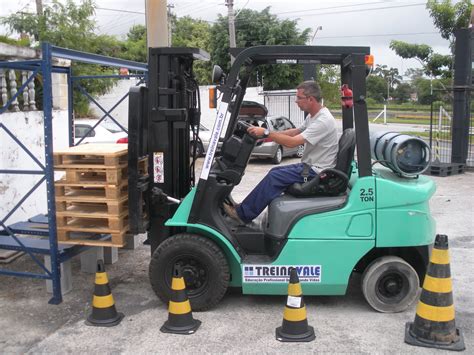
244	125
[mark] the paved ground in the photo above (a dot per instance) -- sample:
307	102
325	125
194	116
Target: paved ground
240	324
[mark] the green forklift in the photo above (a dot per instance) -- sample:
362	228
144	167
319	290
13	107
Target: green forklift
362	216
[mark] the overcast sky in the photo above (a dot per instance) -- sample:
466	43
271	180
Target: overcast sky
371	23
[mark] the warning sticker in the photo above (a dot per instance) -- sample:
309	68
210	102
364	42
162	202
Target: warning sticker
158	167
279	273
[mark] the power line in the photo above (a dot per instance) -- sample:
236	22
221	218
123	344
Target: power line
381	35
198	9
330	7
316	11
118	10
360	10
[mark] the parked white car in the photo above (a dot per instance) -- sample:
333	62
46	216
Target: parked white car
202	142
105	132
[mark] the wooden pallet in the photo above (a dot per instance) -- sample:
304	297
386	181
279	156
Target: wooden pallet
106	155
106	224
100	191
71	237
98	174
92	210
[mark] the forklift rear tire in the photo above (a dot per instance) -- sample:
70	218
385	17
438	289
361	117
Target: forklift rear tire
203	265
390	284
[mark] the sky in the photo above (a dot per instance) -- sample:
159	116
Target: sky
372	23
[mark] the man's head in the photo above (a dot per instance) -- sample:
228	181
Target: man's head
308	97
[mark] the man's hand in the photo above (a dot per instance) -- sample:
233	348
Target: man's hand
256	131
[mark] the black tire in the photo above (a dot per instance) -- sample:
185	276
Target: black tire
203	264
390	284
299	152
278	156
199	148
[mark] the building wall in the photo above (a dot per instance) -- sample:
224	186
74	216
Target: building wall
28	127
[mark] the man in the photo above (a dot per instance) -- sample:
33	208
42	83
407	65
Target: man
319	136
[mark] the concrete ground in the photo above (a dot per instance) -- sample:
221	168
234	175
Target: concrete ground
240	324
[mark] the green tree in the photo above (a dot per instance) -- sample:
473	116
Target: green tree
422	88
135	46
188	32
329	78
447	17
376	88
433	64
402	93
70	25
391	77
62	24
255	28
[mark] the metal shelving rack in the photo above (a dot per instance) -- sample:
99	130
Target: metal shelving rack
12	236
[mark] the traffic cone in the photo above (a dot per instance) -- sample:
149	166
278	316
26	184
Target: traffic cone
295	326
103	313
434	325
180	319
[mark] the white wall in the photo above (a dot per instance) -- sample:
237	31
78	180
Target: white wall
107	101
29	129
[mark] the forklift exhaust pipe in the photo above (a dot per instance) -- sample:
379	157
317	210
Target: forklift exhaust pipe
405	155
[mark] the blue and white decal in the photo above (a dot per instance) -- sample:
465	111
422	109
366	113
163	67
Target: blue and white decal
252	273
216	133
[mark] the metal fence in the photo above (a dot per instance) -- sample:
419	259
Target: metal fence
442	140
282	103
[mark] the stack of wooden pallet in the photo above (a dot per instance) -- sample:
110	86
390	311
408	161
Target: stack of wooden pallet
92	197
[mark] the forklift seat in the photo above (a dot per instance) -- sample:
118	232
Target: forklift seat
330	181
285	211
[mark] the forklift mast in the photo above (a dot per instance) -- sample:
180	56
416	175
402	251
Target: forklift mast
161	117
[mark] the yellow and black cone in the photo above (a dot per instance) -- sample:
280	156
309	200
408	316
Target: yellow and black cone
180	318
295	326
434	325
103	313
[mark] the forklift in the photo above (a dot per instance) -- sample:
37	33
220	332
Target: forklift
356	218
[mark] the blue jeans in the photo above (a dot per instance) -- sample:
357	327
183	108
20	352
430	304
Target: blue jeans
273	185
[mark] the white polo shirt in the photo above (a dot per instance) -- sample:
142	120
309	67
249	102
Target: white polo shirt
321	144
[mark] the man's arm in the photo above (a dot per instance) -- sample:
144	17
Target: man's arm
280	137
291	132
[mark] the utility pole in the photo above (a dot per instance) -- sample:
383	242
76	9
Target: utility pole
170	6
39	7
39	12
156	23
230	6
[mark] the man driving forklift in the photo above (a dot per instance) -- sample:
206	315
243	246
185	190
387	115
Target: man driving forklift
319	136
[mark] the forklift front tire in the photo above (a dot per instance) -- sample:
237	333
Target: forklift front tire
390	284
203	265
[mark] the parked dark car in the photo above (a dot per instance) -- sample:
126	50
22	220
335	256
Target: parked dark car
256	114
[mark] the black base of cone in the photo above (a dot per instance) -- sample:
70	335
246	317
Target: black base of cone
188	329
293	338
105	323
412	339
